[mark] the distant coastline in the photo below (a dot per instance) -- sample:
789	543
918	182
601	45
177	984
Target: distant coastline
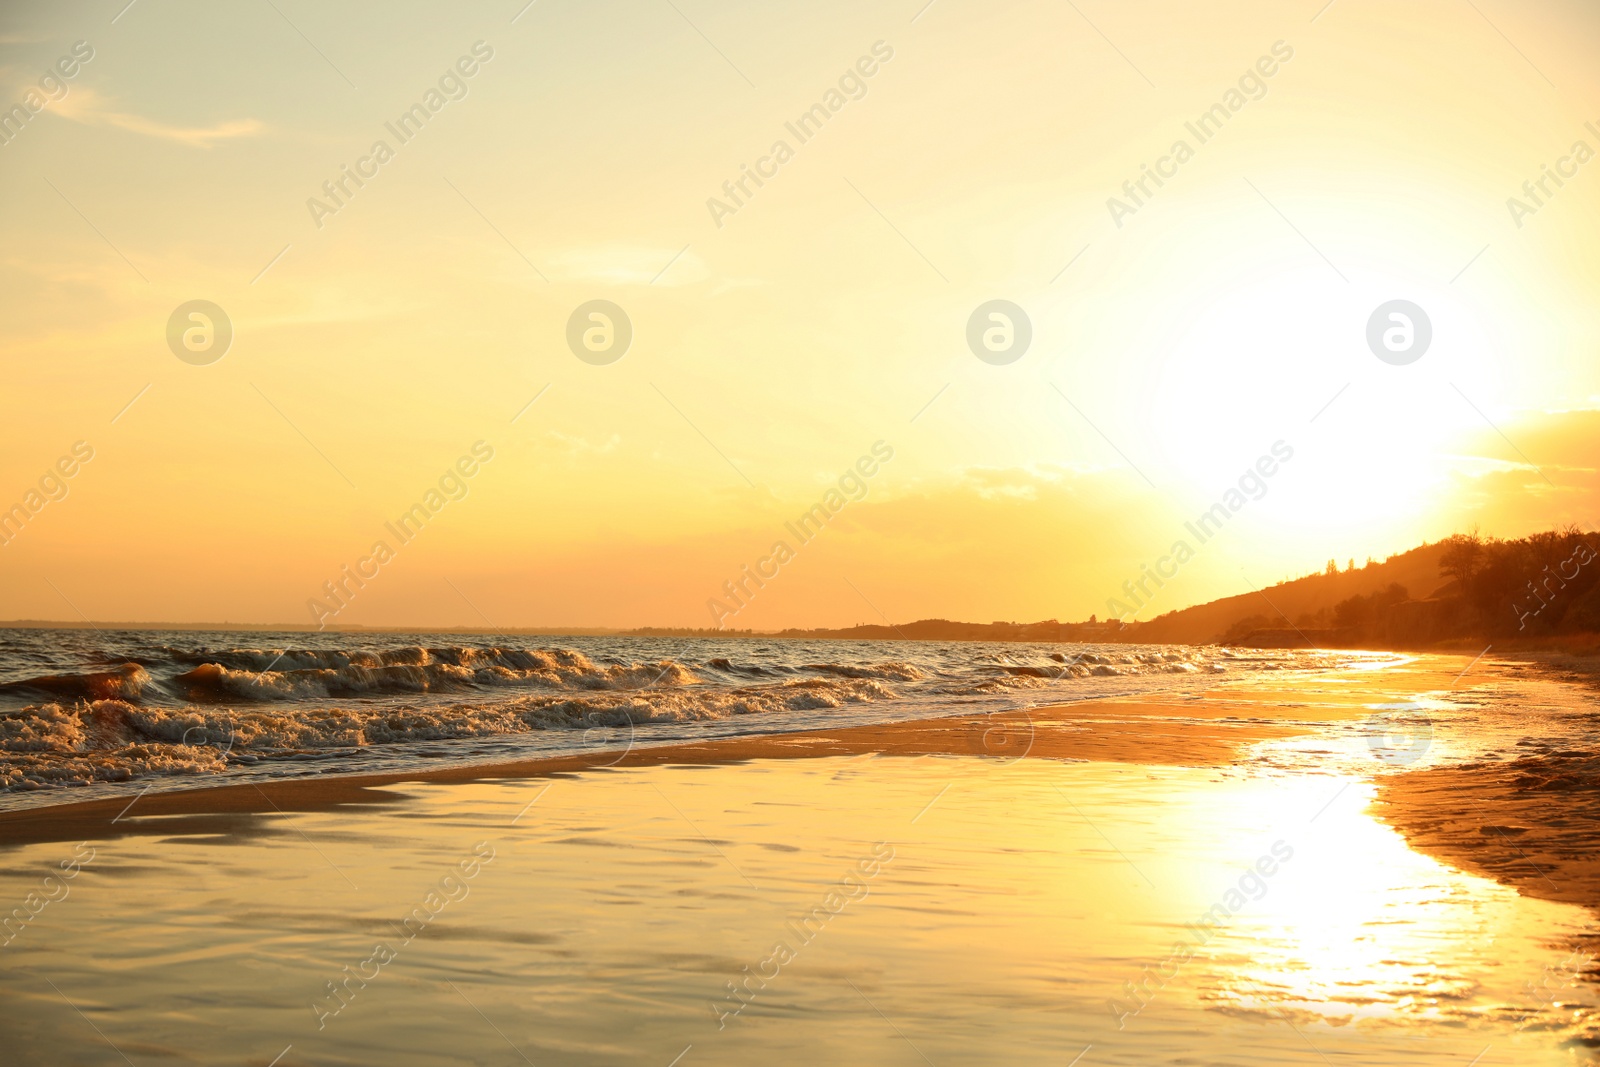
1534	594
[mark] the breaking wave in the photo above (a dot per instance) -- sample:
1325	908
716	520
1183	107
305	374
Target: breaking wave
120	706
112	740
426	672
127	682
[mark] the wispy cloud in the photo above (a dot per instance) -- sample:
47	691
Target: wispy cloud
86	106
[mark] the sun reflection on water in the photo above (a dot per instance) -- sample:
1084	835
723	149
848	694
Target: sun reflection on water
1361	930
1023	901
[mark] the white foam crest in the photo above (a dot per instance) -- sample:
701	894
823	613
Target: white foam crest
102	741
214	683
109	740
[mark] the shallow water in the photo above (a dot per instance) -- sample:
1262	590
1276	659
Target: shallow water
1498	712
619	905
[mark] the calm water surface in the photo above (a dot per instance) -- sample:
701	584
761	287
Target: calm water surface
934	910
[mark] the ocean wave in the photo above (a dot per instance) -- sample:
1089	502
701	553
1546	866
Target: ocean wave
1022	670
750	670
107	740
127	682
293	675
258	676
119	705
243	675
556	661
898	672
98	741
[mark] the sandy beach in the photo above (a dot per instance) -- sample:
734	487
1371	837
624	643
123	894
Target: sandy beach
1352	932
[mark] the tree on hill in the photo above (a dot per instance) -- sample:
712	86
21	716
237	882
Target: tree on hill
1463	555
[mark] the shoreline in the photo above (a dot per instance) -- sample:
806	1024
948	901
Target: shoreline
1093	730
1207	729
1532	822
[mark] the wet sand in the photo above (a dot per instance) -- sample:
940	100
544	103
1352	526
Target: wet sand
1530	819
1532	822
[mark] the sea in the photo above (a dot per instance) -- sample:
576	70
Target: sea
88	712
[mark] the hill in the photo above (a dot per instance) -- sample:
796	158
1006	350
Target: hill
1297	612
1302	604
1462	588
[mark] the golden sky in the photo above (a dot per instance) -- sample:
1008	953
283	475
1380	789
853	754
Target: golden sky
773	344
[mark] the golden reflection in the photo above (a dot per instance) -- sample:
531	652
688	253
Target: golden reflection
1359	928
1030	909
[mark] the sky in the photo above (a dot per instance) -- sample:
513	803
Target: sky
1179	333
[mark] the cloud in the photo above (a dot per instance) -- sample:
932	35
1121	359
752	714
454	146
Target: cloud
86	106
1501	475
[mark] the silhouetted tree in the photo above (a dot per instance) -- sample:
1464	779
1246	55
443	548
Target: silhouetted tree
1462	556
